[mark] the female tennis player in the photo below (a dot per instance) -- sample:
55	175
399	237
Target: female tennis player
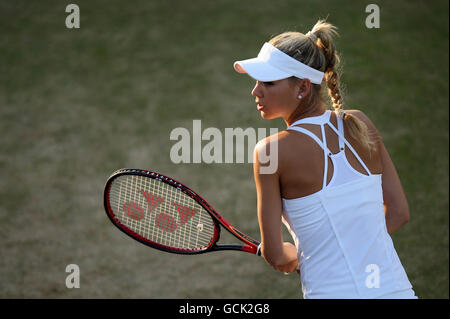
335	187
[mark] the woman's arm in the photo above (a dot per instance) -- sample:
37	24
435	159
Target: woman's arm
395	203
280	255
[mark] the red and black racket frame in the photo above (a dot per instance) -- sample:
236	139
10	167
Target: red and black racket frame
251	245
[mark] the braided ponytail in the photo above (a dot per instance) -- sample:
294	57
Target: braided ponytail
324	33
317	50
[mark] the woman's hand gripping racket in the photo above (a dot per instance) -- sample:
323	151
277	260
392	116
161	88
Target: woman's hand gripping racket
162	213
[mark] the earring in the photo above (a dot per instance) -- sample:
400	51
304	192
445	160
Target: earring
300	97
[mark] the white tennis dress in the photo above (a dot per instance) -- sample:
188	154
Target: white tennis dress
344	249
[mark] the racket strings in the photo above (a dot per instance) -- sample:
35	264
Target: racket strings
160	213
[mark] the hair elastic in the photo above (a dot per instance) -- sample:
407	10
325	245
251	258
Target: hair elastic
311	36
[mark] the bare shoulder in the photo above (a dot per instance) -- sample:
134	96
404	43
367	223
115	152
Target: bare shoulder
288	145
266	142
278	148
282	139
264	149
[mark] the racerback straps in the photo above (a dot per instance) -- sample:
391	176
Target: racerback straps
322	120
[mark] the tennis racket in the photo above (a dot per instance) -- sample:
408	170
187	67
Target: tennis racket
162	213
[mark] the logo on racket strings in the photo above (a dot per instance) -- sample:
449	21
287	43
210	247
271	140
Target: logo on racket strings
162	220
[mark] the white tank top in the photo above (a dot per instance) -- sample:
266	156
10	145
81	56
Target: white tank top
344	249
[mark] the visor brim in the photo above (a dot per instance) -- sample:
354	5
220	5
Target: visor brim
260	70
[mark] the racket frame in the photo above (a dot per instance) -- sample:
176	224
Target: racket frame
250	245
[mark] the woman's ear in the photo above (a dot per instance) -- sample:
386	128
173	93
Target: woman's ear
304	87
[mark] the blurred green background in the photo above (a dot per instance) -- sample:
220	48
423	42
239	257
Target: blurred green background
77	104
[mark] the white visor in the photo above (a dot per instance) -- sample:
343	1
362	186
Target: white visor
272	64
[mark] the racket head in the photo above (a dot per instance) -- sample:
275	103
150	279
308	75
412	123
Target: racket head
160	212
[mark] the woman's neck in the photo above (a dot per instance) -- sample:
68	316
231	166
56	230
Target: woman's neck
301	113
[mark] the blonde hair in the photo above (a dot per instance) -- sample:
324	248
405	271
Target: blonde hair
317	50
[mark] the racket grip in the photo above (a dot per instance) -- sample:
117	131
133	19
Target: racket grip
296	270
258	250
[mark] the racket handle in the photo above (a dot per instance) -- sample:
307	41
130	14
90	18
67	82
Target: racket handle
296	270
